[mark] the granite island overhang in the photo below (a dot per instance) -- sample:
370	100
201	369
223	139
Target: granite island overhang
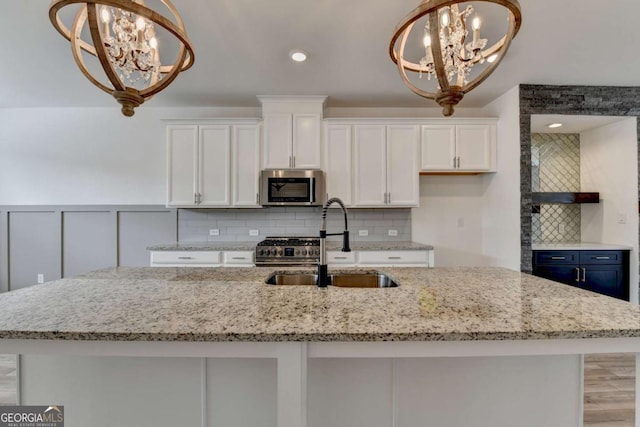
465	314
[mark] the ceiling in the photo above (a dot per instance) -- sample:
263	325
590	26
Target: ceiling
242	51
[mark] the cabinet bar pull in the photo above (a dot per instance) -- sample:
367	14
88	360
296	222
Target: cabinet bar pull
577	274
558	257
294	161
340	257
290	162
458	162
584	275
602	257
454	162
394	257
257	198
185	257
195	198
238	257
389	199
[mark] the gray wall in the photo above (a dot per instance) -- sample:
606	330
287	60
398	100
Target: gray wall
63	241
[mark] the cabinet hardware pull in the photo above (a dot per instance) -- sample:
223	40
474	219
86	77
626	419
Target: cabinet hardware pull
602	257
195	198
394	257
185	257
458	166
389	202
577	274
294	161
340	257
238	257
584	275
257	198
558	257
454	162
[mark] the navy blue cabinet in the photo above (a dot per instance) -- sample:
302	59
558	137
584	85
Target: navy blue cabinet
605	272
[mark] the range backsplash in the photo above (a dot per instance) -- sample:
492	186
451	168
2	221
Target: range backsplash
194	225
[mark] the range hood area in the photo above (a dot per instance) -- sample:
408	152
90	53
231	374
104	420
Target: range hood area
567	197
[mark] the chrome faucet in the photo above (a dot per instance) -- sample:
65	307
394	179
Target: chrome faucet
323	276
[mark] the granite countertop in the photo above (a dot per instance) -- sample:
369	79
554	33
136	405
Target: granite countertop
234	304
578	246
332	245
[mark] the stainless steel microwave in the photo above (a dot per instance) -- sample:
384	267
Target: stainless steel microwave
292	187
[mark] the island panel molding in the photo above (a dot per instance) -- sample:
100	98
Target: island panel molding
568	100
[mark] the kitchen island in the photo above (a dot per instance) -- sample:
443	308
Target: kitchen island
449	346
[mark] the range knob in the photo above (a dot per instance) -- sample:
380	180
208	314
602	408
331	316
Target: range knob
260	251
267	252
304	252
297	251
279	252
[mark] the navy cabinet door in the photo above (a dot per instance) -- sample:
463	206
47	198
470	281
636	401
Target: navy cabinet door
567	274
605	279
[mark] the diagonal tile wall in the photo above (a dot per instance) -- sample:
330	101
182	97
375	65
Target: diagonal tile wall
555	166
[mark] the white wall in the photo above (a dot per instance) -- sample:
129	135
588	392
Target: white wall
501	202
475	220
88	155
609	165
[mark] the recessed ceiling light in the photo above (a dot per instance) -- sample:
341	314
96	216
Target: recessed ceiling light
298	55
492	58
554	125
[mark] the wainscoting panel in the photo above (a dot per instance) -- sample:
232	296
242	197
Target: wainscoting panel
34	247
87	242
64	241
137	230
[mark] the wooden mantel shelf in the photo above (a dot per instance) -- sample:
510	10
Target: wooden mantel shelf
564	198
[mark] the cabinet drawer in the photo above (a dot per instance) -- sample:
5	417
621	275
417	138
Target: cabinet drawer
185	258
393	257
339	257
601	257
556	257
241	258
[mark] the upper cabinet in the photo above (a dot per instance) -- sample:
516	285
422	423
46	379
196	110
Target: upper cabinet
213	163
372	164
461	147
292	132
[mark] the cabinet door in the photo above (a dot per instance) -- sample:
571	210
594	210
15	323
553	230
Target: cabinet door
182	154
605	279
278	141
306	141
246	165
215	166
402	165
370	165
438	147
567	274
474	147
338	162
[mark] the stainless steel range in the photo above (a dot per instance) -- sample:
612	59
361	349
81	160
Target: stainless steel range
288	251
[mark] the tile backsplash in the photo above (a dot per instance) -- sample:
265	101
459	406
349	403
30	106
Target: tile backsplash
194	225
555	160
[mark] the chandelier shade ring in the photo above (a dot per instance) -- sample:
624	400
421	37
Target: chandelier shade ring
123	39
450	55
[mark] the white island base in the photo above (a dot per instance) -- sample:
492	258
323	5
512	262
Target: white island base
385	384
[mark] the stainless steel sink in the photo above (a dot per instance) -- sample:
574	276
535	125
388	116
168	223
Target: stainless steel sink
342	280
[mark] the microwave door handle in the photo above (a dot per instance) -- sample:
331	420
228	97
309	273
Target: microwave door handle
312	196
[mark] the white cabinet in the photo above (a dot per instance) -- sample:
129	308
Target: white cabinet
385	165
202	259
338	170
213	164
398	258
292	140
459	148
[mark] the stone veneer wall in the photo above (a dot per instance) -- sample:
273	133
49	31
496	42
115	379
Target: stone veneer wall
569	100
234	224
556	168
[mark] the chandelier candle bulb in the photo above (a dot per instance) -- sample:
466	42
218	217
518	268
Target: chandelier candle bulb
476	29
106	17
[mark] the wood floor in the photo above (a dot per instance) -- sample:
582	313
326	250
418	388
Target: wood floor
609	388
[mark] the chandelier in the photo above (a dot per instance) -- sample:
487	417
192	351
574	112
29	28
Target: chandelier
123	38
449	55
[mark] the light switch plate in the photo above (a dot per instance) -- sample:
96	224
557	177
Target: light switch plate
393	233
214	232
363	233
254	232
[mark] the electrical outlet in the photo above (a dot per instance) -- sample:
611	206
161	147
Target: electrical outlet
214	232
40	278
622	218
393	233
254	232
363	233
561	228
